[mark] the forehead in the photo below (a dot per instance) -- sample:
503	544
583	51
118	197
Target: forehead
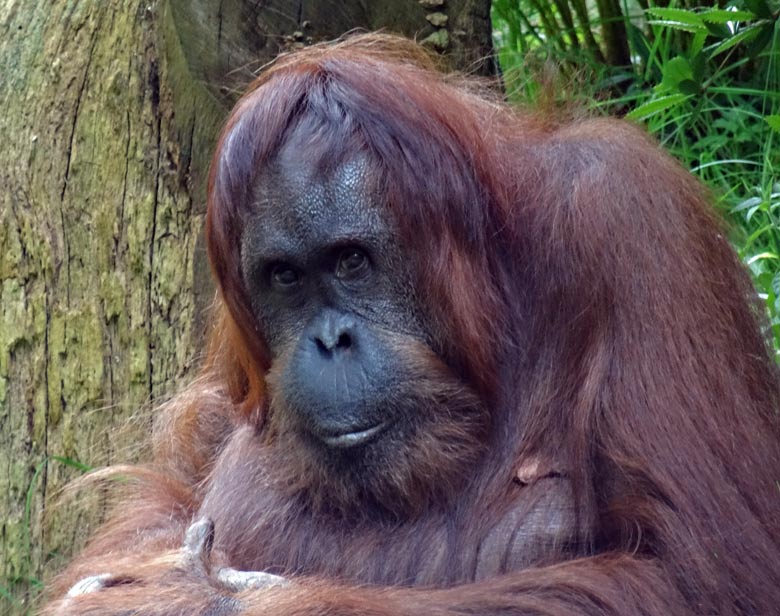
305	201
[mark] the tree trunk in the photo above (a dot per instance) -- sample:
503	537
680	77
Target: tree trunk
109	114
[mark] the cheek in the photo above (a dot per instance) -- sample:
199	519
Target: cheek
395	311
281	328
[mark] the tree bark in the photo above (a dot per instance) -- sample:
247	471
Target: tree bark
110	110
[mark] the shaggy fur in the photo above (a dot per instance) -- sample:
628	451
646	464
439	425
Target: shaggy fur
628	456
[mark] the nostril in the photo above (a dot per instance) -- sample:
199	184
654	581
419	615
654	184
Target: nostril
326	345
332	333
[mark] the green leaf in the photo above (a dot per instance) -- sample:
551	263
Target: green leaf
677	25
677	15
720	31
689	86
764	281
656	105
746	204
773	121
747	34
676	70
72	463
724	16
697	44
754	236
762	256
698	66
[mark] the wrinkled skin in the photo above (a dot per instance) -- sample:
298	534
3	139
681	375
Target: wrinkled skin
326	279
352	390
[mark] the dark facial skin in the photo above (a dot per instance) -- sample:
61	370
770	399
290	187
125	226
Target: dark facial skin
326	279
362	406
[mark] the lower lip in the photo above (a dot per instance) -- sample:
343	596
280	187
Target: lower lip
352	439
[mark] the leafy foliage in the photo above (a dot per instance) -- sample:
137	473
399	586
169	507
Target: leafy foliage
704	79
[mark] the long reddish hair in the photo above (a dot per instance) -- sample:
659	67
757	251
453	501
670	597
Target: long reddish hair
577	277
569	269
434	147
